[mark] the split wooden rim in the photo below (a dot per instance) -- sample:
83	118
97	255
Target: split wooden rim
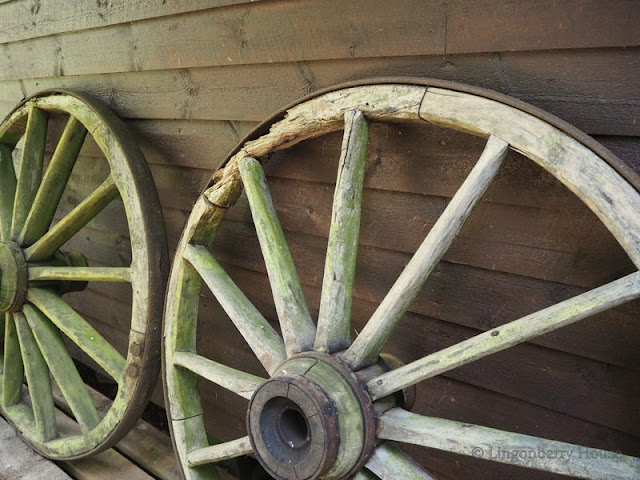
607	193
37	270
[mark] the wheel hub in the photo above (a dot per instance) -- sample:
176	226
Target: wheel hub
13	277
311	419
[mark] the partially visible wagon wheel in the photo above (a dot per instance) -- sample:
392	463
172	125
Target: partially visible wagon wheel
37	270
334	408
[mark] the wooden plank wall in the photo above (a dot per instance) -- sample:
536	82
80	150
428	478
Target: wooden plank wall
191	77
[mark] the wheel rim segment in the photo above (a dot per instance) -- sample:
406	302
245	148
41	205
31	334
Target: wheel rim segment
282	408
35	317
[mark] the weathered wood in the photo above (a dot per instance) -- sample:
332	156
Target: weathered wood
505	336
532	374
54	182
249	41
145	445
614	201
30	168
368	345
7	191
481	299
73	222
474	27
20	462
236	381
58	16
259	335
81	274
389	462
297	327
64	371
79	331
334	316
13	369
364	475
220	452
506	447
38	381
223	93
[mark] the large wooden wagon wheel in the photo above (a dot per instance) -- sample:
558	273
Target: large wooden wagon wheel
334	408
37	270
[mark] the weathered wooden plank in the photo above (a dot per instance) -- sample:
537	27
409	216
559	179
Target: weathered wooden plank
298	329
366	348
314	30
523	450
23	19
18	461
342	248
309	30
495	26
583	91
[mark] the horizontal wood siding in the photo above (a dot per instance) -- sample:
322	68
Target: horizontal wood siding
191	78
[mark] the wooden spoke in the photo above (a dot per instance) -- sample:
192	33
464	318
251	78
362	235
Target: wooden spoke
64	371
2	327
244	384
390	462
80	274
506	447
30	168
220	452
54	182
340	266
259	335
366	348
38	380
505	336
297	327
365	475
13	369
7	191
72	222
79	331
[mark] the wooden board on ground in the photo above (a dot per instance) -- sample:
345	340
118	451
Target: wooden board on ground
19	462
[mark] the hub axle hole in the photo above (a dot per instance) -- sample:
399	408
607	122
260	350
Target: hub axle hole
293	428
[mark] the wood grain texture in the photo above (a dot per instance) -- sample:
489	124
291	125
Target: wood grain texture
500	446
528	373
474	26
19	462
25	19
242	34
592	89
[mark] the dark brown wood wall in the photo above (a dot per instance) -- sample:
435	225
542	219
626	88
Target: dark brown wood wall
191	77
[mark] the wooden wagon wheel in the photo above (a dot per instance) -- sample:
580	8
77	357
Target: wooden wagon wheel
36	271
332	408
